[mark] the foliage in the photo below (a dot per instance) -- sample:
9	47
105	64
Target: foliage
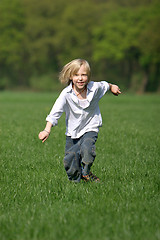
12	22
38	202
120	39
131	34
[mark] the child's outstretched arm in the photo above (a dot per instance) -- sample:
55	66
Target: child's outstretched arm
115	89
45	133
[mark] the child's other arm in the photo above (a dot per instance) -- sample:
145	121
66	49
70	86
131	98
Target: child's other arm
55	114
45	133
115	89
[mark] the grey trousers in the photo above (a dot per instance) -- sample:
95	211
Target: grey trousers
79	155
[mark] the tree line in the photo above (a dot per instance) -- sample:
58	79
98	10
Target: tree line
120	39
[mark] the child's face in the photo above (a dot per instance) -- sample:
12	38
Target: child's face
80	79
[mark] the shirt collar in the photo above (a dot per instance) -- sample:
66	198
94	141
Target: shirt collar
90	85
69	87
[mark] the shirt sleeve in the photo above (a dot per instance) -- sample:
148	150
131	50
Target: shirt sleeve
57	109
103	88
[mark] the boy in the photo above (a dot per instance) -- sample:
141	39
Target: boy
79	100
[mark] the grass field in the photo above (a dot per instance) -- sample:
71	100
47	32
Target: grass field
37	202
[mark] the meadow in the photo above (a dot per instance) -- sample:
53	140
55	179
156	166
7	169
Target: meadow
37	202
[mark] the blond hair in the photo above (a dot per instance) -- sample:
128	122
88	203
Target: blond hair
72	68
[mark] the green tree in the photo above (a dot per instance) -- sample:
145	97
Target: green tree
120	40
42	18
149	44
11	39
74	31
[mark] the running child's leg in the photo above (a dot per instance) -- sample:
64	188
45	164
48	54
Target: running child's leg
71	160
88	153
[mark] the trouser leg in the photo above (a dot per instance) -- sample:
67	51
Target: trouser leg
87	151
72	162
77	152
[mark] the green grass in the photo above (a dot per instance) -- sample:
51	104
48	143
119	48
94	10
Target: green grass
38	202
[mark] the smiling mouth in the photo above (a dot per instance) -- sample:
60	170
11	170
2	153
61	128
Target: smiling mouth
81	83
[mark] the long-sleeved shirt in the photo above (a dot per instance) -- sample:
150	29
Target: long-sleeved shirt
79	119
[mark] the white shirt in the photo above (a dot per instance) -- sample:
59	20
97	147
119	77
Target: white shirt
79	119
83	103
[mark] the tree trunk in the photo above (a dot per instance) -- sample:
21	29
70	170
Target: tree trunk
144	82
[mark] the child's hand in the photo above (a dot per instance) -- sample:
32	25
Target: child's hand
115	89
43	135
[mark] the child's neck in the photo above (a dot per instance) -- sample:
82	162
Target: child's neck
81	94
